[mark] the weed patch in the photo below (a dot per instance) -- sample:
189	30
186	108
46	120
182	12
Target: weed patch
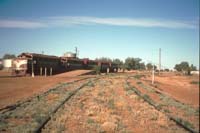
139	83
167	101
129	92
139	76
81	105
111	104
90	121
90	84
195	82
185	123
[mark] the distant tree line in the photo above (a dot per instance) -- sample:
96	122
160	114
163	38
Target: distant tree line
185	67
129	64
9	56
137	64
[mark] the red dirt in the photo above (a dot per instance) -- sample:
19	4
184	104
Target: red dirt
179	87
106	107
13	89
73	73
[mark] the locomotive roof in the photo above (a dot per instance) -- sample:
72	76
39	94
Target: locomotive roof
31	55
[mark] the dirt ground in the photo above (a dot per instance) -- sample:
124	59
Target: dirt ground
13	89
168	101
108	104
179	87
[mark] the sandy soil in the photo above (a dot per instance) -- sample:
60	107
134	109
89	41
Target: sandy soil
73	73
168	102
106	106
179	87
13	89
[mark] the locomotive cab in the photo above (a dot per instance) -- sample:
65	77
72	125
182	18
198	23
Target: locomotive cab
19	66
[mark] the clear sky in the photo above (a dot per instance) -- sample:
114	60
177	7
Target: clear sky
103	28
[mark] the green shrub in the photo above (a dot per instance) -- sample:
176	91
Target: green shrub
90	121
145	96
194	82
185	123
97	69
90	84
139	76
111	104
139	82
129	92
100	94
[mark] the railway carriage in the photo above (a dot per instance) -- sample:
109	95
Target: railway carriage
73	63
39	64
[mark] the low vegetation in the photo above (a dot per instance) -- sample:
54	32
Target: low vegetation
195	82
97	69
185	67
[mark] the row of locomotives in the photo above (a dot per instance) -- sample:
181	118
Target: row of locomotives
114	67
73	63
108	67
40	64
105	67
36	64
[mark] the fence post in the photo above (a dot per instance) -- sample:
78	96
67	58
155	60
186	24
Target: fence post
33	69
108	70
45	71
40	71
153	77
51	71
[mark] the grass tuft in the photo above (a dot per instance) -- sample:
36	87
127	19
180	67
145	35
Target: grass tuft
111	104
90	121
195	82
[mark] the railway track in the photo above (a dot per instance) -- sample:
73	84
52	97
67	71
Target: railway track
19	103
146	98
38	113
33	114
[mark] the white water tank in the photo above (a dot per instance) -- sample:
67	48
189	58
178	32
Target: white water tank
7	63
70	54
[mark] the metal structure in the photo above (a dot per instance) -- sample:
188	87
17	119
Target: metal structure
40	64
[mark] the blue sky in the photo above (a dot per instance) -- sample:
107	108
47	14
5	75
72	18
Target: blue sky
109	28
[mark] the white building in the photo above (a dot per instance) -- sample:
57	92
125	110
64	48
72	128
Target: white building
195	72
7	64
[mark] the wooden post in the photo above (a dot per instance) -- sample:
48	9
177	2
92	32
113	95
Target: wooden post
33	69
40	71
153	75
108	70
45	71
51	71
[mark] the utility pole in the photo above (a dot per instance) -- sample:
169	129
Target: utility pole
76	51
32	69
153	75
159	60
32	64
